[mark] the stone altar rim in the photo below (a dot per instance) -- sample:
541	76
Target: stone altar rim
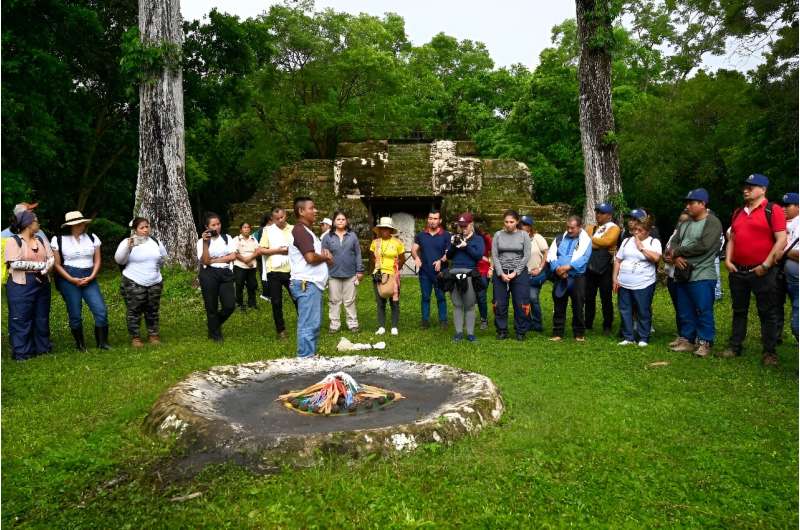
197	411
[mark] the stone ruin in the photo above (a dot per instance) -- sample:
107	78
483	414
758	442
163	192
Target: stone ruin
404	181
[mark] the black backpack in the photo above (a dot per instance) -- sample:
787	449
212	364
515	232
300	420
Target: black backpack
60	253
767	213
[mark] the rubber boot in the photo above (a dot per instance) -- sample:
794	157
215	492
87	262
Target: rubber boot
77	333
101	335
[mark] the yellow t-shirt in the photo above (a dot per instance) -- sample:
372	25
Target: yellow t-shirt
391	249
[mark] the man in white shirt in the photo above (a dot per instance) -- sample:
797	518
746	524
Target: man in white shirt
309	275
788	263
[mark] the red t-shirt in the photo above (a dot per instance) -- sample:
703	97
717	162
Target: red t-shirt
483	265
753	236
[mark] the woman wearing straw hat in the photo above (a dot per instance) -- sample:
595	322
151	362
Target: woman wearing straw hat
77	264
388	256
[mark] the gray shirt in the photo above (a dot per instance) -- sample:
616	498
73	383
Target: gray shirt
346	254
510	251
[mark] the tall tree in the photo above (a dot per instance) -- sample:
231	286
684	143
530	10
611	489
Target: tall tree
161	194
598	140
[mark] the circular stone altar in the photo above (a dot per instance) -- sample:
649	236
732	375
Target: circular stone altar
233	412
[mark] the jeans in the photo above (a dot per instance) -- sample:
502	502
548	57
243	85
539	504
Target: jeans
791	287
696	309
217	287
518	290
73	295
309	316
482	305
604	284
560	309
536	309
741	285
29	316
276	281
426	283
642	300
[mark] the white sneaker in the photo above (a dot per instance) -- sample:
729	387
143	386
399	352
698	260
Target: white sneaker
642	344
380	331
394	331
625	343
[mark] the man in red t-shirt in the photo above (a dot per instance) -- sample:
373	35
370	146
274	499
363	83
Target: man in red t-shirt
757	237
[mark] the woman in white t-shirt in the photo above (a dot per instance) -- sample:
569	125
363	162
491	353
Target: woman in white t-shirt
141	256
77	265
635	281
216	251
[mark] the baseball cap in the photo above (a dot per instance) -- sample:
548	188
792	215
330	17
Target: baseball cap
638	213
326	221
699	194
757	179
464	219
526	220
604	207
789	198
24	206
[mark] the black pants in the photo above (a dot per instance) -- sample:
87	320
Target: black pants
560	309
781	294
381	308
277	280
604	284
741	285
217	287
245	277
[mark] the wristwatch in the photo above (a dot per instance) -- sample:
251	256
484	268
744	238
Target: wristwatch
764	266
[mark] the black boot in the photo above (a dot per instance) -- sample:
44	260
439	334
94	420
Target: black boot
101	335
77	333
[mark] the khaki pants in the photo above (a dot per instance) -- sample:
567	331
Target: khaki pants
342	291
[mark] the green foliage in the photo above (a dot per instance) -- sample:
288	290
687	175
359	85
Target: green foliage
144	62
593	435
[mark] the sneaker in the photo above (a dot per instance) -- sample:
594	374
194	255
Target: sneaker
684	345
625	343
674	342
555	339
484	324
424	324
580	339
728	353
265	298
703	349
769	359
472	338
394	331
136	342
380	331
642	344
458	337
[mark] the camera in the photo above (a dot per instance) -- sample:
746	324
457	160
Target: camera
212	233
456	240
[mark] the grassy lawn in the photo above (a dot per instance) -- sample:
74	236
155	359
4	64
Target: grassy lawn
592	436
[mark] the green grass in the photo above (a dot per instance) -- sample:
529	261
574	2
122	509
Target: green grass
591	435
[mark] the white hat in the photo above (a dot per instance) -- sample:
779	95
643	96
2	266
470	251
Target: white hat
385	222
326	221
74	218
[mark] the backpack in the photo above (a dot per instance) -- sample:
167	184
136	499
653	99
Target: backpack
122	267
767	213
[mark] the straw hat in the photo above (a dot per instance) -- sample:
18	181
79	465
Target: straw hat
74	218
385	222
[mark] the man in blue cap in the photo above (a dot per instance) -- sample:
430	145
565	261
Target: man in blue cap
758	237
692	251
787	264
605	235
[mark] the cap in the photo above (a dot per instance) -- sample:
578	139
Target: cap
23	206
699	194
638	213
604	207
526	220
326	221
464	219
757	179
789	198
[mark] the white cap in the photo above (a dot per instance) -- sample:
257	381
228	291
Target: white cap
326	221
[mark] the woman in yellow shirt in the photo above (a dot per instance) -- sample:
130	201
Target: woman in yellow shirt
388	256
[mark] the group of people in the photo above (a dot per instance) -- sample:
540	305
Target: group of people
759	250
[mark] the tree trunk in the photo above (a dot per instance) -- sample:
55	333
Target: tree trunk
161	194
600	157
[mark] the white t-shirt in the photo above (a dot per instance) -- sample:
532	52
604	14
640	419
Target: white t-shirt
792	232
635	270
78	254
143	262
216	249
302	241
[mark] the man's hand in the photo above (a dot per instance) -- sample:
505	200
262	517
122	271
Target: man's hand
328	256
730	266
437	265
418	262
680	262
760	271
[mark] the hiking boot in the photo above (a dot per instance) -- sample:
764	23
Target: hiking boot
136	342
101	337
674	342
684	345
769	359
424	324
458	337
154	339
728	353
703	349
484	324
77	334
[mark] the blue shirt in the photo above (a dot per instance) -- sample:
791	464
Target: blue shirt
346	254
431	248
469	256
8	233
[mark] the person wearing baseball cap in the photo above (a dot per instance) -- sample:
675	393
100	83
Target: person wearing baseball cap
537	270
691	252
19	208
757	239
787	264
605	235
325	226
465	251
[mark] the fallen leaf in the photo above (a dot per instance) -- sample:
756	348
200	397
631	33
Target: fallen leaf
189	497
658	363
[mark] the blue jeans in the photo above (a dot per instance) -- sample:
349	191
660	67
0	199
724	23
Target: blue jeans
536	309
426	283
483	308
73	295
642	301
791	286
696	309
29	316
309	316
